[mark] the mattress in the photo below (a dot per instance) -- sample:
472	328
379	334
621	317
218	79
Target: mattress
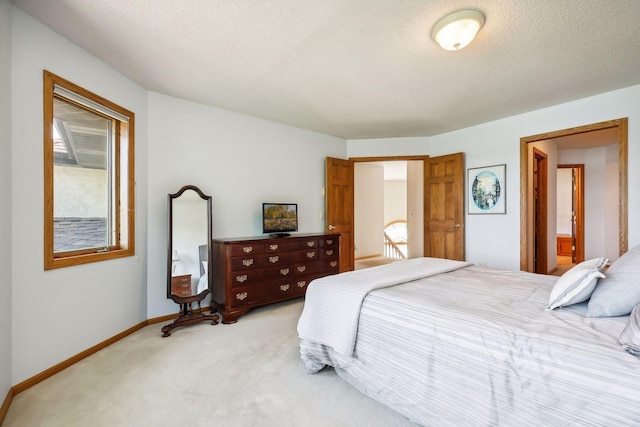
475	346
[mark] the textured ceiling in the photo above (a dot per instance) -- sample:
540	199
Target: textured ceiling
359	68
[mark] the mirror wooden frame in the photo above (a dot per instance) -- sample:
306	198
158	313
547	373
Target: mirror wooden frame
187	314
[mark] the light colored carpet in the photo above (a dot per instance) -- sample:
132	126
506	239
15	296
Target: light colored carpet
372	262
244	374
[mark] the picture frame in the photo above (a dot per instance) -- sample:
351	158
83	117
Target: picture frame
487	190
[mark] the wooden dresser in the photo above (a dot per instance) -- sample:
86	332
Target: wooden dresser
254	271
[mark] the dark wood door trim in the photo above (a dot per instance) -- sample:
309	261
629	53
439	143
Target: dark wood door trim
541	211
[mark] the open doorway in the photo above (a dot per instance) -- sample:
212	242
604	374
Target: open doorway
440	202
570	216
602	147
388	211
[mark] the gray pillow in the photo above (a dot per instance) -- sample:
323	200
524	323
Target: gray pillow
619	292
630	337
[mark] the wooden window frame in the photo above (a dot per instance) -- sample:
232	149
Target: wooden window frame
124	212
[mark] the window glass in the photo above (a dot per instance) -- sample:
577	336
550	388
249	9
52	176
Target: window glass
88	176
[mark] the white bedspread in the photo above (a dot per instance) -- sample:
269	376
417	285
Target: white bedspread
337	299
475	347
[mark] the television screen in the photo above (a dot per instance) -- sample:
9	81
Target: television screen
279	218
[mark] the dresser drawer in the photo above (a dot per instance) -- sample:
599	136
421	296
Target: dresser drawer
245	278
276	259
328	252
323	266
305	255
274	273
279	289
248	295
280	246
300	285
246	249
246	262
330	242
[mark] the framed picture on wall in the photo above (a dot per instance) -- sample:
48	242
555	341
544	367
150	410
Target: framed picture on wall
487	190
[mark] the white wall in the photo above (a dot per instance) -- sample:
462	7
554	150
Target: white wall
564	201
369	206
495	239
241	162
415	209
60	313
395	200
600	202
5	196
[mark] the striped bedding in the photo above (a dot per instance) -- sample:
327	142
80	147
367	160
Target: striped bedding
476	347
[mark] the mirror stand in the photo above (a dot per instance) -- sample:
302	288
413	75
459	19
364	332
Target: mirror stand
189	316
188	255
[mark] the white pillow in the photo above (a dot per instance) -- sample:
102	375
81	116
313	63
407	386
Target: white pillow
577	284
630	336
204	265
619	293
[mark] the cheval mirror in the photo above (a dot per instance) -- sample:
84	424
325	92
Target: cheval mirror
188	255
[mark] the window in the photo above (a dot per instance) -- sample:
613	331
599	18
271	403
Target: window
88	176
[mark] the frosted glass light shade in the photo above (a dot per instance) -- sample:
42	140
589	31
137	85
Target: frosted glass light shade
457	30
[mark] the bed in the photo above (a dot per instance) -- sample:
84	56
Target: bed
450	343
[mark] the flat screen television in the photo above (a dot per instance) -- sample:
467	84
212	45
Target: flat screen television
279	219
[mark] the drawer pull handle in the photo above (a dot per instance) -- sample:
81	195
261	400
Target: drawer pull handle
329	252
329	242
247	249
185	285
284	271
333	263
311	254
302	268
284	288
241	296
274	259
302	283
273	247
247	262
311	244
241	278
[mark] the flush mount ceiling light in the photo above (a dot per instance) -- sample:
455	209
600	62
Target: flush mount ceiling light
455	31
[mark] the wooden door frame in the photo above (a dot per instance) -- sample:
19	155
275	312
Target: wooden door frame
425	160
579	191
526	227
541	239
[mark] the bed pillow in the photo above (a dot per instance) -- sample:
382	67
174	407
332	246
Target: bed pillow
630	336
620	291
577	284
